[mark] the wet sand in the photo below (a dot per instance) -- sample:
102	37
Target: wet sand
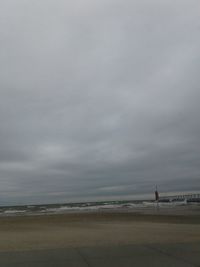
23	233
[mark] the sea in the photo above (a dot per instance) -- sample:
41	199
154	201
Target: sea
142	206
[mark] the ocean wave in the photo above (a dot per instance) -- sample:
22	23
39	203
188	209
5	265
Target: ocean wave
106	206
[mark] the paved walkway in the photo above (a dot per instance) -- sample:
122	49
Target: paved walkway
175	255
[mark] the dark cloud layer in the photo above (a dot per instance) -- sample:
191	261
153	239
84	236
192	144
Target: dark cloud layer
99	99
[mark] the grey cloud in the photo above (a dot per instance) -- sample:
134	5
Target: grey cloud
98	99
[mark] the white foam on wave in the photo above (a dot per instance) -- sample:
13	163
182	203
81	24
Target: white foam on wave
14	211
85	208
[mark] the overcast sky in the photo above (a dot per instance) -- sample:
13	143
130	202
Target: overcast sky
98	99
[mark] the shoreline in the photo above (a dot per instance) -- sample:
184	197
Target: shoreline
127	207
185	210
111	215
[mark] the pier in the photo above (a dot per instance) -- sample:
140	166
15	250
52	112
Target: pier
181	197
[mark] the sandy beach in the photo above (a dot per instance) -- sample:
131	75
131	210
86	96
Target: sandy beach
20	233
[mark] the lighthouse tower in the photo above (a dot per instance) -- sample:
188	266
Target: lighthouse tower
156	194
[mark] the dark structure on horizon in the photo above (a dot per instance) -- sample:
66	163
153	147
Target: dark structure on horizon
156	195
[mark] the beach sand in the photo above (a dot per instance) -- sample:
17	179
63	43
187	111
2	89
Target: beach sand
23	233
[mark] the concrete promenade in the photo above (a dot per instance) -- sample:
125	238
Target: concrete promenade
165	255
